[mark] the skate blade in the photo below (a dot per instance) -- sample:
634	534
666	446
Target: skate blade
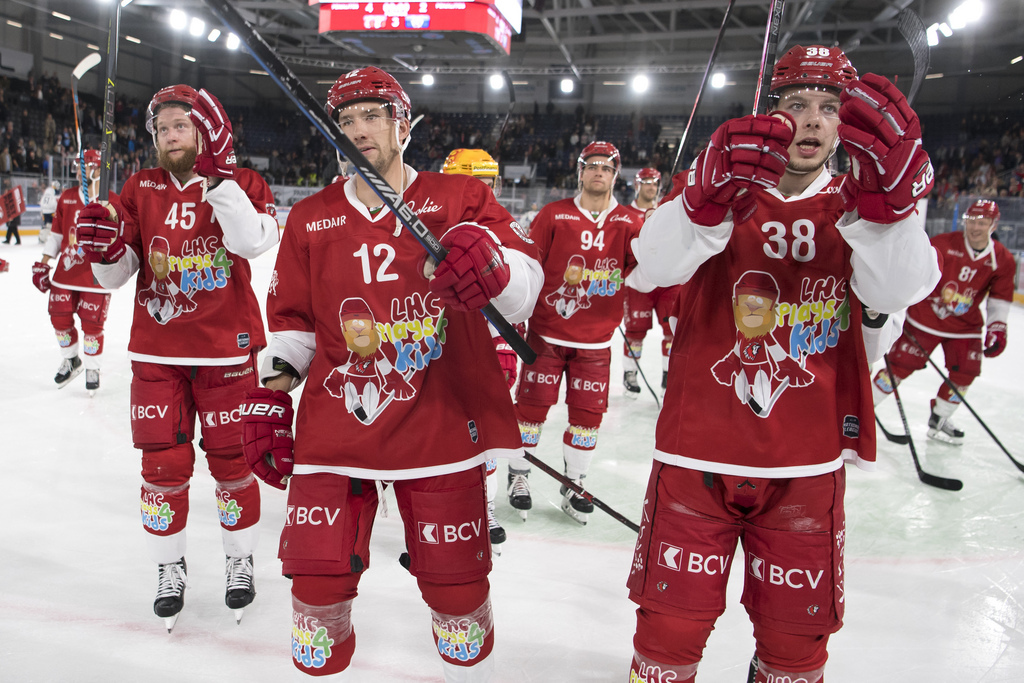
76	373
574	514
92	392
495	550
523	514
238	614
633	395
170	621
939	435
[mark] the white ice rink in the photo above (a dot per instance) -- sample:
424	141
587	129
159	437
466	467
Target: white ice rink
934	578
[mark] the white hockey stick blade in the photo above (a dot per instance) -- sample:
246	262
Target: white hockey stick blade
91	60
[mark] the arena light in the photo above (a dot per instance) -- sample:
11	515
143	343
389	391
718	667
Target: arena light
966	13
428	80
125	3
933	35
567	85
189	58
718	80
57	36
197	27
12	22
133	39
945	29
641	83
233	41
178	19
214	35
92	47
61	16
1017	59
496	81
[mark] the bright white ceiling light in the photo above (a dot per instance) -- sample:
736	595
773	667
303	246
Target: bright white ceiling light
214	35
496	81
197	27
178	19
189	58
428	80
125	3
641	83
933	35
945	29
567	85
233	41
718	80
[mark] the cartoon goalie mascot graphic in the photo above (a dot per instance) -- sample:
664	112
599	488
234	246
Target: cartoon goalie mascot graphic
368	380
163	299
571	296
758	367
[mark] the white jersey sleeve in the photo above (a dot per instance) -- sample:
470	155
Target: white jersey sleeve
52	246
114	275
247	232
526	277
997	311
295	348
878	340
670	247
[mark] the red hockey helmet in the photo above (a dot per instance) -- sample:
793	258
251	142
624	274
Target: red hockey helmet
182	95
814	65
983	208
368	83
598	148
647	174
92	157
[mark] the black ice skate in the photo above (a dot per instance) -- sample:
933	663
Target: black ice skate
497	533
92	381
68	370
519	492
629	381
575	505
170	592
941	429
240	587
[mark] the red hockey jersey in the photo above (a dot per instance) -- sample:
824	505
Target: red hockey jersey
585	261
194	303
954	308
768	374
72	270
398	387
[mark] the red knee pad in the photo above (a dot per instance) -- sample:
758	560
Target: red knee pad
92	344
323	639
164	509
454	599
324	590
527	412
790	652
584	418
961	380
464	631
671	639
168	467
238	503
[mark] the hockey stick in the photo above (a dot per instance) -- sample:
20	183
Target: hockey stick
771	46
953	387
930	479
106	151
901	439
912	29
578	490
700	90
636	359
508	114
90	60
314	111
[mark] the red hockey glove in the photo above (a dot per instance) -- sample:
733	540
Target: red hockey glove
98	234
473	272
267	441
41	276
4	266
995	339
890	169
744	154
507	358
216	152
395	383
791	370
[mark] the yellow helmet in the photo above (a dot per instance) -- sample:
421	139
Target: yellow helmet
474	162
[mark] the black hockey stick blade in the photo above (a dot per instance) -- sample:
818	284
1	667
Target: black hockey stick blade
926	478
106	151
576	488
771	46
314	111
901	439
913	31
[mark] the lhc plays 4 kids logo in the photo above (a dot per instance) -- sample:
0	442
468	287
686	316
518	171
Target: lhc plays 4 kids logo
203	265
156	512
311	646
228	508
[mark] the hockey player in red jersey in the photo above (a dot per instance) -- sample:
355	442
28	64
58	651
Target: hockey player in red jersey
480	165
349	276
187	229
584	246
642	307
73	290
792	276
975	268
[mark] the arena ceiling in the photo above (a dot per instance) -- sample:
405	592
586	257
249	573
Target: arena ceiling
590	40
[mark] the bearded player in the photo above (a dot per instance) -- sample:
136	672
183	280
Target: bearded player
975	268
73	289
187	228
760	216
450	410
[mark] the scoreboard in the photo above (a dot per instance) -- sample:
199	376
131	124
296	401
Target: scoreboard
489	18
